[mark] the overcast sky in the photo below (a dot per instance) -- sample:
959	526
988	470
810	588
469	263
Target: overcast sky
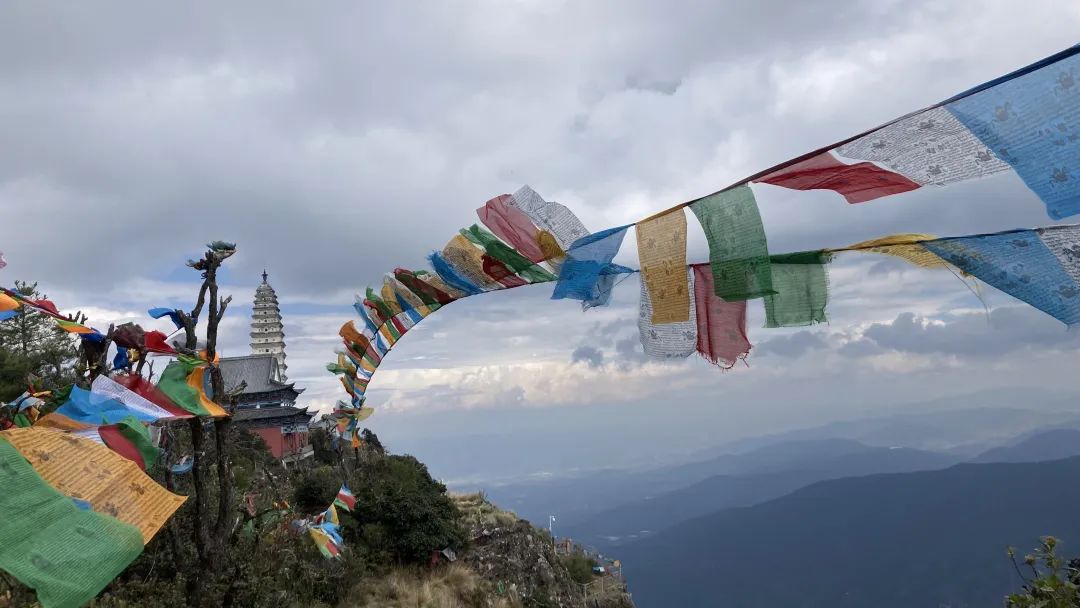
336	141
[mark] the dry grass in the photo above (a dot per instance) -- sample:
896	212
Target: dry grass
478	512
454	586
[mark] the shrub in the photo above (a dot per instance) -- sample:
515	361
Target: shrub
1055	585
316	489
402	511
580	568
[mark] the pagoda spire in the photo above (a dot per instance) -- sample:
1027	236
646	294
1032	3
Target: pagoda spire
267	332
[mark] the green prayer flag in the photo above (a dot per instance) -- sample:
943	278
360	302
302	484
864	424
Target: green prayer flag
174	383
521	265
802	289
66	554
738	251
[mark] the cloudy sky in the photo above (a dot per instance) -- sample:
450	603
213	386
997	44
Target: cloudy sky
334	142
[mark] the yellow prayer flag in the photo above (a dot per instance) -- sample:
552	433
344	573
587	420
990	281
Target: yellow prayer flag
662	253
89	471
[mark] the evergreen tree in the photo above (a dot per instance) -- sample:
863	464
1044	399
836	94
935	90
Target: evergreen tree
31	343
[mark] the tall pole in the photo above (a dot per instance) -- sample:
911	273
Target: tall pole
551	530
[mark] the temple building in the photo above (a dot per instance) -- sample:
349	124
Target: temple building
267	405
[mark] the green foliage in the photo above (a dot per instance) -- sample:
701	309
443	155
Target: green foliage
31	343
580	568
1054	584
402	512
323	447
316	489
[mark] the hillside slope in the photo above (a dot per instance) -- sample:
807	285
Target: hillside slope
890	541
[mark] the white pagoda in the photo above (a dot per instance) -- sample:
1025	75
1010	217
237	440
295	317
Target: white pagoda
267	332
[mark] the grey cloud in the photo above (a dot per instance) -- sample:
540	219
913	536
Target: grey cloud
318	139
590	355
794	345
1006	331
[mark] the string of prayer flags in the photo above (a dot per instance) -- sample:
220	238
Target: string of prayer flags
551	217
516	262
661	245
669	340
738	250
1040	267
67	554
585	260
801	283
1027	121
512	225
721	326
89	471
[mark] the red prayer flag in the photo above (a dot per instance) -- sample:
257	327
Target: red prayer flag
46	305
498	271
154	342
121	445
512	225
858	183
721	331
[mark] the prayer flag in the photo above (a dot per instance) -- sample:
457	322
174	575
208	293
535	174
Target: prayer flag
802	290
906	246
738	250
451	276
661	245
859	182
467	259
1040	267
65	553
585	260
157	313
130	439
90	471
183	382
512	225
721	326
147	390
1031	120
668	340
549	216
345	499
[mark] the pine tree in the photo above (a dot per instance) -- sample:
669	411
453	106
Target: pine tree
32	344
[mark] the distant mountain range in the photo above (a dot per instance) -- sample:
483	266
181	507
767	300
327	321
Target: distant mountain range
962	434
1050	444
931	538
767	473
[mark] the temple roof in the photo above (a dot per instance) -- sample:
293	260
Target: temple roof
259	371
250	414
